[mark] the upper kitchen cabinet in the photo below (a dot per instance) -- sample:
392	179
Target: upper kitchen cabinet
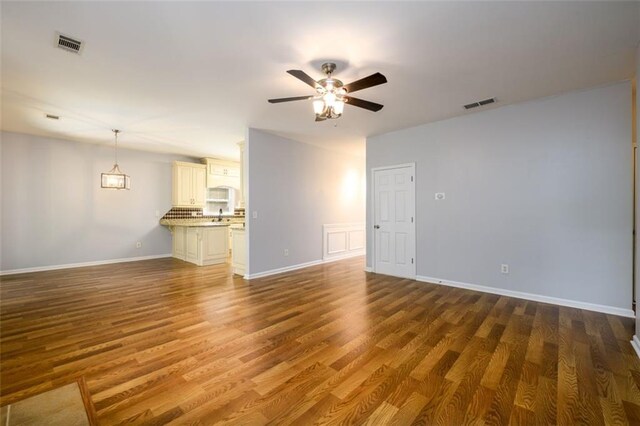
222	173
189	184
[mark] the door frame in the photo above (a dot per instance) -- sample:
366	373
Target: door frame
373	213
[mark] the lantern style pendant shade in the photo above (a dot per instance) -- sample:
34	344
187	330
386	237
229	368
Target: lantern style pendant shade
114	178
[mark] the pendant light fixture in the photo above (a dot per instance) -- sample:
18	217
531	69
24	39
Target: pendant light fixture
114	178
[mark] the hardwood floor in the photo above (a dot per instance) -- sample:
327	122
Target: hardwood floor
164	341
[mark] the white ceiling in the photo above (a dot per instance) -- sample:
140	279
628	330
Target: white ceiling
189	78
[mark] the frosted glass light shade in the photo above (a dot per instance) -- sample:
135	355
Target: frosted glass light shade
338	107
329	99
318	106
115	179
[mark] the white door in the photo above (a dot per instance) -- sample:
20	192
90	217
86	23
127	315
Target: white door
394	221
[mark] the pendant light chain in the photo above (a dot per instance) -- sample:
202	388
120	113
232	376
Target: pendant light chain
116	131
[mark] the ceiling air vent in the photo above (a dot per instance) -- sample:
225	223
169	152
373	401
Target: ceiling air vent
69	44
480	103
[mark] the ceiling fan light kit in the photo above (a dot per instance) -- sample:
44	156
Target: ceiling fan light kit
332	94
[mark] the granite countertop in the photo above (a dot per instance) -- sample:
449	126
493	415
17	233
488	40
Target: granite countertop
192	222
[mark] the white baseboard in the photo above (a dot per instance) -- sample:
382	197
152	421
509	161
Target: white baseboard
82	264
368	269
299	266
635	344
352	253
534	297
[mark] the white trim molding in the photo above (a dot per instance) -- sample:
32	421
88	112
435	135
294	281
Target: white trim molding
282	270
368	269
635	344
343	240
613	310
295	267
82	264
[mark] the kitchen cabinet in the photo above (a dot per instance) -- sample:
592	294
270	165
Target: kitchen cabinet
222	173
214	245
220	198
179	242
189	183
202	245
239	252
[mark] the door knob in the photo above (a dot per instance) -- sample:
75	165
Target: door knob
376	226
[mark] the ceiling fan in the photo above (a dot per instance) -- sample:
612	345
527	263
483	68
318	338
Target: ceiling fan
331	94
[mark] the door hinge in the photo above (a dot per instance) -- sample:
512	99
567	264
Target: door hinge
412	260
411	219
411	178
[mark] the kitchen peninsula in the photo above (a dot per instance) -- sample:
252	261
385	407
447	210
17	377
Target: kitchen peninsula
198	238
203	208
199	242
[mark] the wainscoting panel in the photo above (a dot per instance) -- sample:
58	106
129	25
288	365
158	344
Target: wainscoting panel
342	240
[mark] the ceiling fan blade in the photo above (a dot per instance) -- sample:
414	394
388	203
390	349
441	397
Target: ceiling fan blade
320	118
303	76
364	83
295	98
371	106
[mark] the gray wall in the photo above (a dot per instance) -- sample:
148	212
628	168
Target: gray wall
296	188
544	186
54	212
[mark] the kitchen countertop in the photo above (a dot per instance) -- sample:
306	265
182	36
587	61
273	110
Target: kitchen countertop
192	222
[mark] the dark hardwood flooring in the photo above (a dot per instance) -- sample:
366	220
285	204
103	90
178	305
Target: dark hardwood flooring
164	341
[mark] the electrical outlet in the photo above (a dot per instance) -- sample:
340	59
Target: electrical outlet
439	196
504	268
286	252
138	244
255	214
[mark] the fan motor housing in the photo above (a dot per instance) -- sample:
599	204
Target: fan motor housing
328	67
336	83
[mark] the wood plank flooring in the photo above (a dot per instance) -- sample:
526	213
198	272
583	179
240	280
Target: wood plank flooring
163	341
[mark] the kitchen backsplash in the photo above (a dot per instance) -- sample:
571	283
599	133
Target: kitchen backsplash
182	213
187	213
